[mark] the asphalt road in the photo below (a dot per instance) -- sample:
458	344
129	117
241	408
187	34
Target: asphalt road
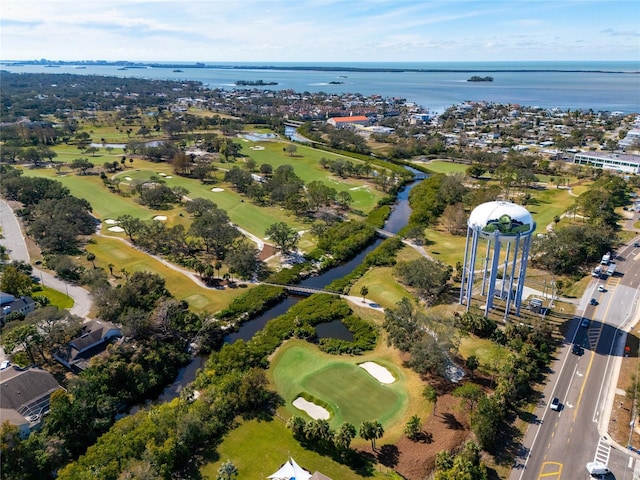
17	248
558	444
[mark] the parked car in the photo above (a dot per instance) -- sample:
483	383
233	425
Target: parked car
555	404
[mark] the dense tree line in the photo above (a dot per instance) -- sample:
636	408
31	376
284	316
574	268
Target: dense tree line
54	218
158	329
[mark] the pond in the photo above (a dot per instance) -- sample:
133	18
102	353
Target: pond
335	329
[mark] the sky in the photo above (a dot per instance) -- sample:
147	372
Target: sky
320	30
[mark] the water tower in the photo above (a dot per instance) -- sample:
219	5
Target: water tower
497	224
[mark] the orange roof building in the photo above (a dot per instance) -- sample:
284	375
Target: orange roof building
340	122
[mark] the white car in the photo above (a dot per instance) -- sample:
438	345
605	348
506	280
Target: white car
555	404
601	288
5	364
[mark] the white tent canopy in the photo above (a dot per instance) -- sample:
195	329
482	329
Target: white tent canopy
291	471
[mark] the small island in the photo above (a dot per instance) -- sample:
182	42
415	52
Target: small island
335	82
177	70
254	83
476	78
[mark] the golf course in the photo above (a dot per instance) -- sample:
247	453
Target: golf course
337	384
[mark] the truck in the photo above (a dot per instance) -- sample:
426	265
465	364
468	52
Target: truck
611	269
596	271
597	468
606	258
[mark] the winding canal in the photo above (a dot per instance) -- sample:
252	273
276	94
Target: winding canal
397	219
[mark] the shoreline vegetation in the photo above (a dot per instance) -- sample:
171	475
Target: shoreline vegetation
254	83
477	78
318	68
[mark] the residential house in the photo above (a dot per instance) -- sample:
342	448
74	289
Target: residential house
25	396
96	335
10	304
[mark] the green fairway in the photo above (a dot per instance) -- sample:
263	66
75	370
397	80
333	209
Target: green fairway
259	448
121	255
441	166
338	383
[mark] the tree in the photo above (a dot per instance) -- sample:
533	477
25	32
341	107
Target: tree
81	164
371	431
345	434
131	225
227	470
413	427
243	258
291	149
283	237
431	395
472	363
91	258
469	392
15	282
364	291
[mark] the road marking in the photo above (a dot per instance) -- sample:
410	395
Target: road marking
636	471
630	464
555	469
584	383
602	452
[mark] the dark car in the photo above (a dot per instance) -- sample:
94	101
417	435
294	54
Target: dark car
593	301
585	323
577	350
636	245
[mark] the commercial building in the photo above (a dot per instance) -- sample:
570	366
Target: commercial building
610	161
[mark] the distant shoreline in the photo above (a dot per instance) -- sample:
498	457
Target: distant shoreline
316	68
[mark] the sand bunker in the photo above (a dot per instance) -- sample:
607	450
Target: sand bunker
314	411
168	176
257	147
378	372
217	189
116	229
128	179
162	174
160	218
110	221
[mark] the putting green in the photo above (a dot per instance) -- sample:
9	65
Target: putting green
338	384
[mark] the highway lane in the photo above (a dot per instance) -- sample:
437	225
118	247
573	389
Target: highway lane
561	443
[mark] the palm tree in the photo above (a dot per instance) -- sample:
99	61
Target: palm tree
364	291
412	428
111	265
371	431
91	257
344	436
431	395
218	266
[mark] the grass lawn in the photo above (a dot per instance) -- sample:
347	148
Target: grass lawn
56	298
488	353
442	166
259	449
442	246
348	391
548	203
121	255
383	290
